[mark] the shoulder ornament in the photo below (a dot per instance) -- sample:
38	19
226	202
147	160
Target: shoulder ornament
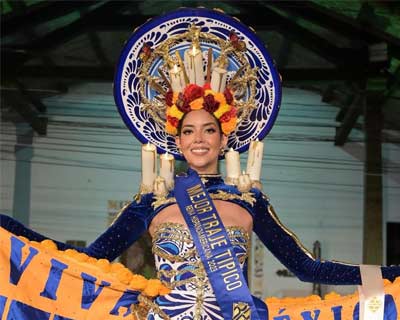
245	196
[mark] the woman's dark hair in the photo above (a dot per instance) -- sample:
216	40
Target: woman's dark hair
179	128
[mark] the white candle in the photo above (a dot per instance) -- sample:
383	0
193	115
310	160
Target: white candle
194	65
232	160
218	79
177	79
244	182
149	165
254	161
167	166
160	189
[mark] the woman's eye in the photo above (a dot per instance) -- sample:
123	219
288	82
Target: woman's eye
187	131
210	130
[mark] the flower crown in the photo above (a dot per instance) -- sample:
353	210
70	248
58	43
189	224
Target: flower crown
227	95
195	97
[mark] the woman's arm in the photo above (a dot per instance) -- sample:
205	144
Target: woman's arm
290	252
129	225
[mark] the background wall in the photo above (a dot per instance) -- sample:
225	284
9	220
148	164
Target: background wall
316	187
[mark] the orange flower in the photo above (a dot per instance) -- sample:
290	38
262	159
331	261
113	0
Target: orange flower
25	239
91	260
49	244
81	257
138	282
228	127
124	275
197	104
169	128
34	243
152	288
115	267
332	296
175	96
164	290
104	265
71	253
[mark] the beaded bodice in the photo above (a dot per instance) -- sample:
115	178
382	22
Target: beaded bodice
177	262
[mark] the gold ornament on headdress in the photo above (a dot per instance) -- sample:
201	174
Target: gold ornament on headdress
230	101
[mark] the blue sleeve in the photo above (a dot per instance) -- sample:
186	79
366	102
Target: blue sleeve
129	225
285	246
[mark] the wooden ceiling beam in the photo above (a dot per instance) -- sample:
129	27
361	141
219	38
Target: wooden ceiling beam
48	11
349	119
348	27
24	108
64	34
308	39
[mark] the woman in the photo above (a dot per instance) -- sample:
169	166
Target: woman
201	228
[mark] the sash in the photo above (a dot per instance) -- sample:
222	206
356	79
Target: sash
214	248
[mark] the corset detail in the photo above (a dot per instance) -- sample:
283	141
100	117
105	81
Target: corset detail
177	261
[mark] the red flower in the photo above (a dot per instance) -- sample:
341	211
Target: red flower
193	91
210	104
168	98
172	120
228	96
228	115
183	103
145	52
207	86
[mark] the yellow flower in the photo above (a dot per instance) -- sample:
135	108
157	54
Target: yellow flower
173	111
197	104
223	107
219	96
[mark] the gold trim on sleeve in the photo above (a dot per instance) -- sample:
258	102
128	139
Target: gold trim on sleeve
274	216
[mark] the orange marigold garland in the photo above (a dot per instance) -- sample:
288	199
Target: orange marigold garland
194	97
148	287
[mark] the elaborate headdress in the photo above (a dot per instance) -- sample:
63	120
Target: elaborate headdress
191	59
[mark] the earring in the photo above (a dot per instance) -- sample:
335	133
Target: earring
222	152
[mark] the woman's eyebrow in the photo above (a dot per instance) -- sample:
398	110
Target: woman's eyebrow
203	125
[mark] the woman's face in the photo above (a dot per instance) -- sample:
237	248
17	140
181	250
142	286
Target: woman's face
201	141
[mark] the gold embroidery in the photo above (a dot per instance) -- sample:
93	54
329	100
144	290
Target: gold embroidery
272	213
149	304
159	201
223	195
241	311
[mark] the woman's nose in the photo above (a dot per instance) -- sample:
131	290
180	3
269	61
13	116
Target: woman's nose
198	137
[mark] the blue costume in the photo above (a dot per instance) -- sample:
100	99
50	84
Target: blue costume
178	264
